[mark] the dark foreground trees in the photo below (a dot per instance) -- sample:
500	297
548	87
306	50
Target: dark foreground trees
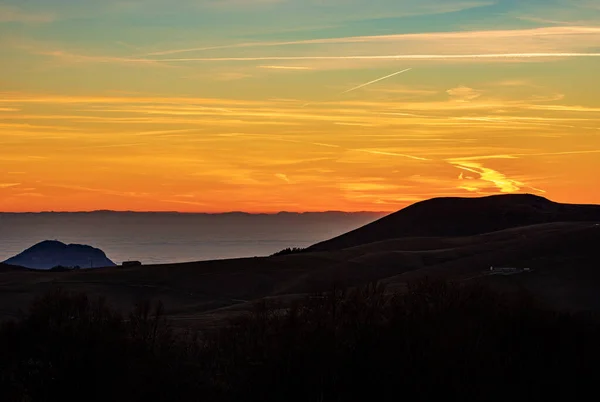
434	341
288	251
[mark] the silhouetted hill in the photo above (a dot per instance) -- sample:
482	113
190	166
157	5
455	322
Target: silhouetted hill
421	241
9	268
50	253
451	217
563	257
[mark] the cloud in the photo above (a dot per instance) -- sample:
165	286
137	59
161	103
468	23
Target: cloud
105	191
482	38
370	187
463	94
486	175
333	53
159	114
565	108
387	153
581	152
425	57
7	185
285	68
30	194
403	90
15	14
231	76
283	177
477	158
18	98
80	58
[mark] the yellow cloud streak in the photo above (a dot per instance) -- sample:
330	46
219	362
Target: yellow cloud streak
285	68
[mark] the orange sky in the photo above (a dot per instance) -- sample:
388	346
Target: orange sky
194	117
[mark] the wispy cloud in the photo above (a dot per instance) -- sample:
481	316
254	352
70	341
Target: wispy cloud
81	58
285	67
231	76
7	185
463	94
472	46
480	56
581	152
131	194
387	153
565	108
486	174
404	90
30	194
521	155
429	36
283	177
77	58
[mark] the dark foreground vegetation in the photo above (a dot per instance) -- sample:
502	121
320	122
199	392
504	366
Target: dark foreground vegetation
435	341
288	251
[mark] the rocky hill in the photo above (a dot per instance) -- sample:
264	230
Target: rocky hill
51	253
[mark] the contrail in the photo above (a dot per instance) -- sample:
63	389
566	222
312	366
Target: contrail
364	85
375	57
374	81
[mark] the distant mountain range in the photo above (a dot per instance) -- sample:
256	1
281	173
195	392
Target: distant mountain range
232	213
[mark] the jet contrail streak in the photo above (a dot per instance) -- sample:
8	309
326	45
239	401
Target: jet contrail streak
374	81
376	57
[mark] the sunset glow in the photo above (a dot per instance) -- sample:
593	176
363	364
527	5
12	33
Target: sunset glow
296	105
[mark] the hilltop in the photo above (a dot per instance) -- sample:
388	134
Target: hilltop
451	217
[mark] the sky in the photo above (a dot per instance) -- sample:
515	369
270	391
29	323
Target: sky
295	105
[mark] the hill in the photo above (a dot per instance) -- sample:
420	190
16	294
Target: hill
452	217
50	253
562	256
10	268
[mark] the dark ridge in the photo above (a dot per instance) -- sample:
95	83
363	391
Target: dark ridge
9	268
451	217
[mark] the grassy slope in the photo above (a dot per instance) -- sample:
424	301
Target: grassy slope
563	255
448	217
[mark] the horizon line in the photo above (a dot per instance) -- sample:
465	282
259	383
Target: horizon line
193	213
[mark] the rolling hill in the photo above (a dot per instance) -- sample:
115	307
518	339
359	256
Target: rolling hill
563	256
451	217
10	268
